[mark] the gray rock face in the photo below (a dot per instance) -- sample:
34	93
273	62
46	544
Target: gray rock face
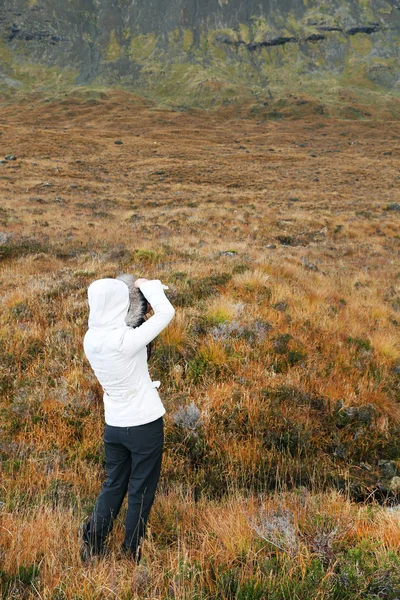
202	48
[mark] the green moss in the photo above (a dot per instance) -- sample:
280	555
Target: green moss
215	47
34	76
383	72
5	54
142	46
174	37
187	41
218	52
386	10
203	45
87	37
321	14
114	49
244	32
292	24
260	29
355	71
187	85
362	44
368	13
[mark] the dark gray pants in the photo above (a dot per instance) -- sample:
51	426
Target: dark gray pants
133	464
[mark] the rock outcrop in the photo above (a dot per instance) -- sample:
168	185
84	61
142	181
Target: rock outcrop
208	50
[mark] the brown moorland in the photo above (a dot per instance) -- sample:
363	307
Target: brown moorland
279	241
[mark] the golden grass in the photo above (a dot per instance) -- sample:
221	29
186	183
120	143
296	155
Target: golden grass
196	534
317	342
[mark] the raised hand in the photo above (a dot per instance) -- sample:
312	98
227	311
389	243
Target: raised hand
140	281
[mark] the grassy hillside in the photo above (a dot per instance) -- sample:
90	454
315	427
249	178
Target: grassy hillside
279	241
339	57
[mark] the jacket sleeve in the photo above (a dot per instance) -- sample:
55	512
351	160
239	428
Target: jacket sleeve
138	337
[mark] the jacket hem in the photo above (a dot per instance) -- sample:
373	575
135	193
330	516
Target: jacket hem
143	421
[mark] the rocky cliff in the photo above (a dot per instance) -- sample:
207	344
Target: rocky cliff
204	51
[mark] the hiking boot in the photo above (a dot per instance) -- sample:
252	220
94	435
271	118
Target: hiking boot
88	555
93	546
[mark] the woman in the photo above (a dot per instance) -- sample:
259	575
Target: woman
133	411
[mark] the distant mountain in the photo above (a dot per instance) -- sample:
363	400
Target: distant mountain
204	51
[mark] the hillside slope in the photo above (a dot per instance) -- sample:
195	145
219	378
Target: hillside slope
206	53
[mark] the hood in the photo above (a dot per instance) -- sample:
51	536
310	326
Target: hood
108	303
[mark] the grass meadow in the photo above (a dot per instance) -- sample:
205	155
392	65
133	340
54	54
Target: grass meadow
280	372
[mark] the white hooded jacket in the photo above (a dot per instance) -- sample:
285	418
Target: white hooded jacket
118	354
